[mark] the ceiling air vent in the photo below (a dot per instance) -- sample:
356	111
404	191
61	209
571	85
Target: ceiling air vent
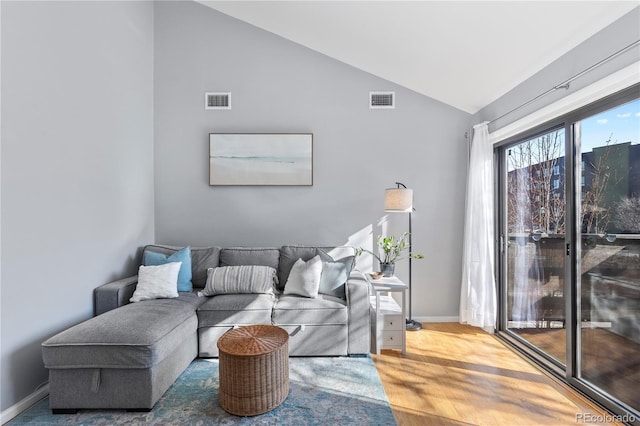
382	100
217	100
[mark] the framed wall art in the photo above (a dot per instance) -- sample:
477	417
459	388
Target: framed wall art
260	159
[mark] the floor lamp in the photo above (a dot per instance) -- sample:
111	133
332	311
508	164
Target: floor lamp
400	200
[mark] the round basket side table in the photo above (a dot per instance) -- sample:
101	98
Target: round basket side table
254	369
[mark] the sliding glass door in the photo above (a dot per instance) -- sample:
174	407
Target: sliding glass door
535	239
569	252
609	252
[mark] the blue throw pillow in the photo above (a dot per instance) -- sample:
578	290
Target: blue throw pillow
152	258
335	274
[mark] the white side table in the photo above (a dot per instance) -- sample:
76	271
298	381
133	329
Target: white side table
388	325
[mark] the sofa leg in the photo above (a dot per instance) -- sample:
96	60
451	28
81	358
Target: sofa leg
64	410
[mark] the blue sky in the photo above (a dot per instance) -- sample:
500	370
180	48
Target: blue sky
621	124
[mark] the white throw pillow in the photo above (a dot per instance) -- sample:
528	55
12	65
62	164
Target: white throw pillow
304	278
157	282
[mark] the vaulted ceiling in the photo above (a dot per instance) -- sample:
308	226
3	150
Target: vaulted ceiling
463	53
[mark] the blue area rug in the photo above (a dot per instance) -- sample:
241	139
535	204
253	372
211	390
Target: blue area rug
322	391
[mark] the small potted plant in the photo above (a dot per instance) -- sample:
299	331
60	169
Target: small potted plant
391	250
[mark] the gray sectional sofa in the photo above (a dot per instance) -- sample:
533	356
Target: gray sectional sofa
129	354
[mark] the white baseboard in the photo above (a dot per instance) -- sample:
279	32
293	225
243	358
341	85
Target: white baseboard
23	404
438	319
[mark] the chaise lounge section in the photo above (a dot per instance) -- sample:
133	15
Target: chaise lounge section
129	354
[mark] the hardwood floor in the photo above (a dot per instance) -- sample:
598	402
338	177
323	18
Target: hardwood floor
609	361
454	374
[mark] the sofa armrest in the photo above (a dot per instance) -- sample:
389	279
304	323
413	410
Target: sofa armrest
358	291
114	294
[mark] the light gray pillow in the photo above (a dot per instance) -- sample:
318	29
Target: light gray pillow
157	282
304	278
335	274
241	279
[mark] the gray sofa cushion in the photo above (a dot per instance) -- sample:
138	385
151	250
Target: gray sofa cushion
288	256
192	299
137	335
236	256
202	258
236	309
305	311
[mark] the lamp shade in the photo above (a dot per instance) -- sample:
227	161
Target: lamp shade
398	200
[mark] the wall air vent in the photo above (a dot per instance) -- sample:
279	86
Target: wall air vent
217	100
382	100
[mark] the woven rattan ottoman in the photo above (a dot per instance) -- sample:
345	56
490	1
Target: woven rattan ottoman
254	369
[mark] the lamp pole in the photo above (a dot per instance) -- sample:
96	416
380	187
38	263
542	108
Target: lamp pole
411	325
410	321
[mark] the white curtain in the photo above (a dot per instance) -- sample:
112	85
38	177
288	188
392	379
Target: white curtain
527	268
478	293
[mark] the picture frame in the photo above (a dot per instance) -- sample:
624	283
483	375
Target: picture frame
264	159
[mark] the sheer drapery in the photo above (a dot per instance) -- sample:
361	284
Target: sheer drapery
527	268
478	292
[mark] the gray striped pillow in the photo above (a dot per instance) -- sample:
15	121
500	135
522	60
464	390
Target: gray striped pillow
240	279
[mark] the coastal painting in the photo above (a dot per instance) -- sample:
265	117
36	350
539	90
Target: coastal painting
260	159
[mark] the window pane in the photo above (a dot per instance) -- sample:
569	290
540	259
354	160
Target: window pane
535	241
610	252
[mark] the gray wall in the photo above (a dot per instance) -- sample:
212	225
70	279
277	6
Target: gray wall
77	169
603	44
279	86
